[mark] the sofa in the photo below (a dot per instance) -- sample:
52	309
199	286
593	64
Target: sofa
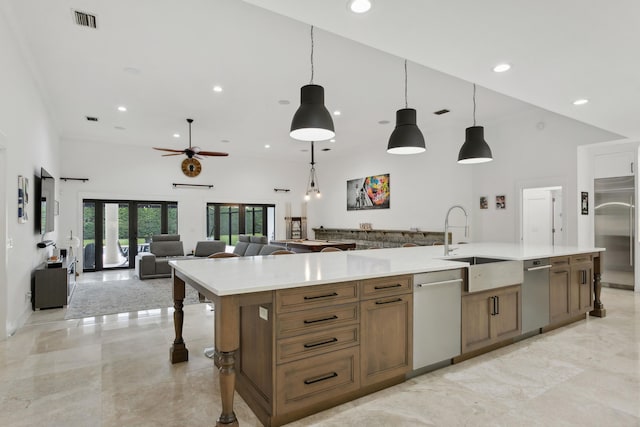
254	245
155	263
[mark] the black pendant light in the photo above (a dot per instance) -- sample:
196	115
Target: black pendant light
312	184
312	121
475	149
406	138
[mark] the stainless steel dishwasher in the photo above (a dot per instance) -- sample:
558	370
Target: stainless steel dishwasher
535	294
436	316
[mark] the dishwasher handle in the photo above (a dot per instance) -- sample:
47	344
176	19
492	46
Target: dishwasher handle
443	282
540	267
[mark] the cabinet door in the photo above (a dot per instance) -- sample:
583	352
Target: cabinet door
582	289
477	311
559	294
387	338
508	317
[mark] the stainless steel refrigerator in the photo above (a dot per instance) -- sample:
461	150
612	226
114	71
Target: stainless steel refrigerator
615	229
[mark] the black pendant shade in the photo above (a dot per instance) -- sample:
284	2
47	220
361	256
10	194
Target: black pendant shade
475	149
312	121
406	138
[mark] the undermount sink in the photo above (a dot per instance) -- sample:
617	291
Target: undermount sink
489	273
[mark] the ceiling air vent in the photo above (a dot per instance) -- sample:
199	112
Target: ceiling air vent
92	119
441	112
84	19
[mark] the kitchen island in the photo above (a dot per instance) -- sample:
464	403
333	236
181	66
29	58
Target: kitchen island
298	334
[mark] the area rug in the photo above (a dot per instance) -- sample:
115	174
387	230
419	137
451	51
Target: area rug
95	298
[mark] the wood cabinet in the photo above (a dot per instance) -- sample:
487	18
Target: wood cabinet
386	347
311	348
52	286
491	316
570	287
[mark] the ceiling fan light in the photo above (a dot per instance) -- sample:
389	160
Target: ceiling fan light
312	121
406	138
475	149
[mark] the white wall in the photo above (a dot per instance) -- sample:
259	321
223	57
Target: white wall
424	186
138	173
31	143
534	149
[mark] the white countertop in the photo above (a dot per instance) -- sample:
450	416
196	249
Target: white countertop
230	276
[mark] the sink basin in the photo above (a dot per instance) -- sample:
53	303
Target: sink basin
489	273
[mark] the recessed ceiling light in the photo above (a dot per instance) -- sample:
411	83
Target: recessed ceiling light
176	135
284	102
359	6
501	68
267	146
326	149
122	108
224	140
581	101
383	122
217	88
337	113
332	140
118	127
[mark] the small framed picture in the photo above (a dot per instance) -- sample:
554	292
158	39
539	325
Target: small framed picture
584	202
501	202
484	202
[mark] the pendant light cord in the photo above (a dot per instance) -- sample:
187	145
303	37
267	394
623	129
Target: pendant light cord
312	70
474	104
406	103
312	159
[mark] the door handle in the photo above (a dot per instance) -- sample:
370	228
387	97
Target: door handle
497	305
493	305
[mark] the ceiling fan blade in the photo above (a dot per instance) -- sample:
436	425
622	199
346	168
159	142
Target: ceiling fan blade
212	153
172	154
169	149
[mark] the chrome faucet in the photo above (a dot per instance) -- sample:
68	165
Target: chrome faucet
447	251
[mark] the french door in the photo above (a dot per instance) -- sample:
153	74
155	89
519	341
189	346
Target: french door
115	231
225	221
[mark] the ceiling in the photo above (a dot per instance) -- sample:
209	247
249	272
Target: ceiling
161	60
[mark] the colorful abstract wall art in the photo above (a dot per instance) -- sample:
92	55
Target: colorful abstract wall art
371	192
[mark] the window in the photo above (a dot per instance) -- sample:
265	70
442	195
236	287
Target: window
225	221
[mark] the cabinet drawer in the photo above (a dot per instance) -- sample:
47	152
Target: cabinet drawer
313	380
375	288
316	296
559	261
580	259
294	348
297	323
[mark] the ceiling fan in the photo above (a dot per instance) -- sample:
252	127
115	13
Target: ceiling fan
191	166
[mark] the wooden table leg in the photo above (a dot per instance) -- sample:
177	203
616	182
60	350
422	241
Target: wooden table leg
227	343
178	352
598	307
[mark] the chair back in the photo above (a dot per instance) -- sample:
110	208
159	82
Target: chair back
409	245
223	255
331	249
282	252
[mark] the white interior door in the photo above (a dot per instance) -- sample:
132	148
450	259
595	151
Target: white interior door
537	217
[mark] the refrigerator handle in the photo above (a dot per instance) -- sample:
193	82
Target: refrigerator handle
631	233
631	167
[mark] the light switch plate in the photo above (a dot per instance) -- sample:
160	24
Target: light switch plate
10	243
264	313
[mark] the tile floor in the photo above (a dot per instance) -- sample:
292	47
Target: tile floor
114	371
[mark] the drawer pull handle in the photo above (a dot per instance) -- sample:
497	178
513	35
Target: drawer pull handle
442	282
324	319
397	285
321	378
333	294
316	344
389	302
